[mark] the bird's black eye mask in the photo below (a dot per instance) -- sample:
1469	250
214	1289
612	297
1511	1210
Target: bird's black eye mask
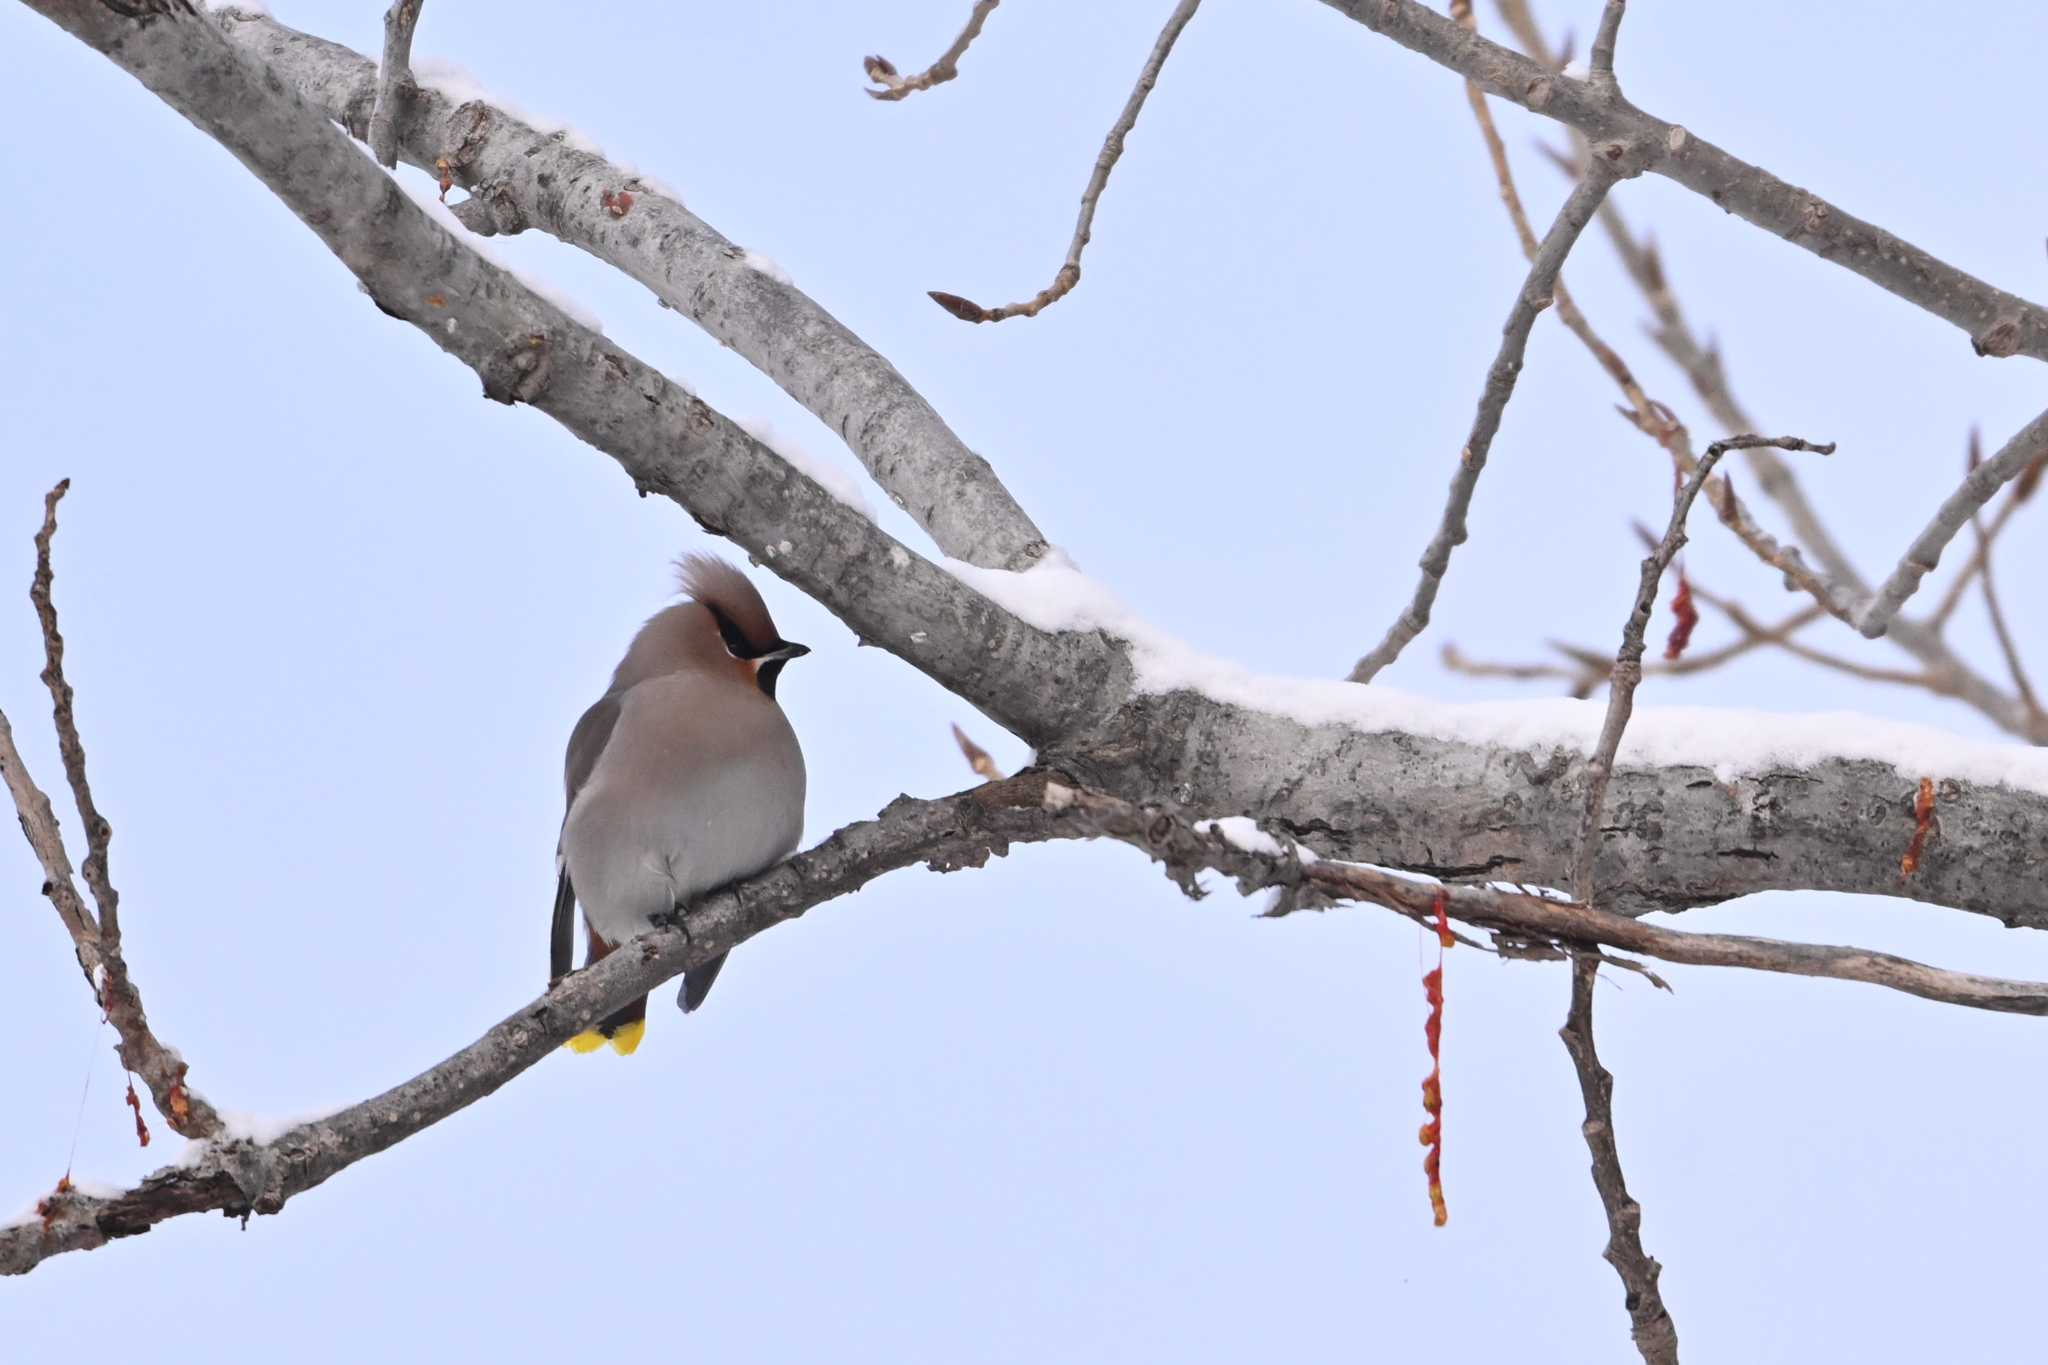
735	640
737	645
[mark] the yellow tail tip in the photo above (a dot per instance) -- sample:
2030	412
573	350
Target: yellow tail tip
590	1040
627	1037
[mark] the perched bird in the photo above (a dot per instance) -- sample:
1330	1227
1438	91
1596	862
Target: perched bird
684	776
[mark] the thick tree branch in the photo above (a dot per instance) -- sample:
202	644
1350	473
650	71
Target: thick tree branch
1530	300
1361	774
668	440
1069	273
521	178
882	71
239	1177
1655	1335
1480	794
394	80
1998	323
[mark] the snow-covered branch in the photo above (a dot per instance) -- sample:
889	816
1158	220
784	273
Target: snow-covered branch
524	177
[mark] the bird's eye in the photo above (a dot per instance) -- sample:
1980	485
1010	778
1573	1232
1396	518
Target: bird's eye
735	642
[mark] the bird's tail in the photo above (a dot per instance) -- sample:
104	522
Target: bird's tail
623	1029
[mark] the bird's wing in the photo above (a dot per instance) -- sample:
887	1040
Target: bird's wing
586	743
562	938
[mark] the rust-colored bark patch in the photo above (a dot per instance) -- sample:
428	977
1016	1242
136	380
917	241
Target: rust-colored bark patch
1923	821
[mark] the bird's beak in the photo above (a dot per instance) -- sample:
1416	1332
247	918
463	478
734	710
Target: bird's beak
783	651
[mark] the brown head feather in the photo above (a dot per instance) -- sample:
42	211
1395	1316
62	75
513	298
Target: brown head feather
723	588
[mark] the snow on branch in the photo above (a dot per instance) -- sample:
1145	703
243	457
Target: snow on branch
516	173
1628	663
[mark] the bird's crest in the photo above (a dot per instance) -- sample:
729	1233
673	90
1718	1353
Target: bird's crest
733	600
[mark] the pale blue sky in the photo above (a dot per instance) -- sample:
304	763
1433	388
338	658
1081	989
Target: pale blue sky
331	617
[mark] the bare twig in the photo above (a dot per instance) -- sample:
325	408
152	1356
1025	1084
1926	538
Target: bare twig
1839	588
1521	22
39	826
895	87
1998	323
1953	597
1069	273
1536	294
98	833
1992	607
2013	459
1185	849
1644	412
1839	580
1628	663
1754	631
97	943
394	80
1656	1336
1600	64
1590	669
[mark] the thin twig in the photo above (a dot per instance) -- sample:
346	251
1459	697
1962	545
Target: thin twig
1592	669
97	943
1069	273
98	833
895	87
2013	459
1997	322
1536	294
1647	414
1568	311
1838	587
394	80
1704	369
1974	565
39	826
1184	849
1656	1336
1600	66
1992	607
1754	630
1628	663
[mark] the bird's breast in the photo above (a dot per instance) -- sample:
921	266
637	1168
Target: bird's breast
695	788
